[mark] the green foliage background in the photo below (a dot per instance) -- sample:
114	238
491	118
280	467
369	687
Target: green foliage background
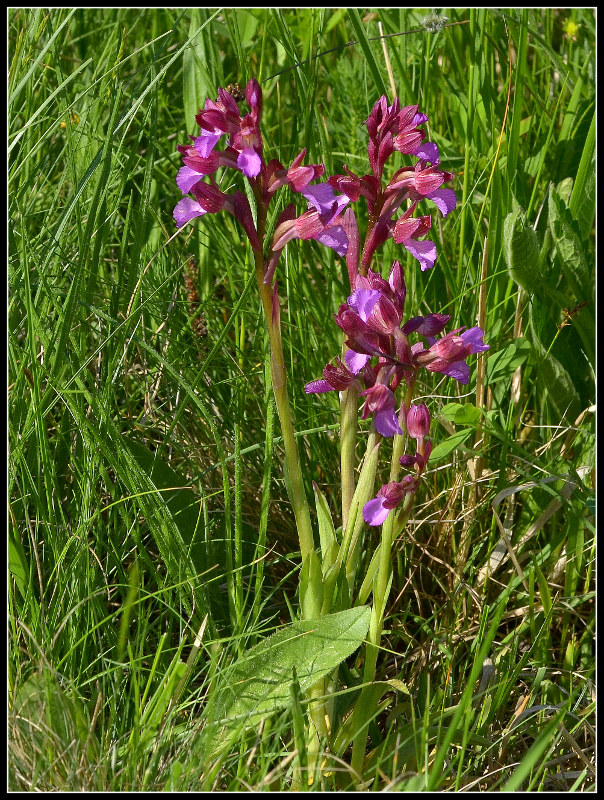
146	498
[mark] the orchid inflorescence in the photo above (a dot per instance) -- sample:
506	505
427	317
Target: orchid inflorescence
383	351
372	319
379	352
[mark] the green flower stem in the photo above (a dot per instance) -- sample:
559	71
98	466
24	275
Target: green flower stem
292	469
349	414
362	493
366	705
351	533
369	698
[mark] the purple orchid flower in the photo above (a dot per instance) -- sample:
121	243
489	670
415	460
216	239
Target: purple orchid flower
389	496
323	221
381	355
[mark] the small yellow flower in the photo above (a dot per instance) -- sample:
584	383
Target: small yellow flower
73	118
571	29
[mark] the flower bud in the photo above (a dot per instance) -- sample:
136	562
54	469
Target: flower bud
418	421
338	375
450	348
384	316
397	284
393	493
253	95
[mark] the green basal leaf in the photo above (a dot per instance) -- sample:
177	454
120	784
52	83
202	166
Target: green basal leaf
17	565
586	205
556	382
583	201
311	586
57	716
259	683
177	495
327	534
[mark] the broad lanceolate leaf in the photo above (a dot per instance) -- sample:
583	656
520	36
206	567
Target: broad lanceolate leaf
17	564
521	250
556	381
259	683
583	200
178	497
53	719
462	413
579	270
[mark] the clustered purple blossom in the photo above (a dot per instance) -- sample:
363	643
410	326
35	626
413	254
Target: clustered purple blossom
392	494
391	128
244	152
380	354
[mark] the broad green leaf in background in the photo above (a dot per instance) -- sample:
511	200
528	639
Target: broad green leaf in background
556	381
461	413
17	565
445	448
583	200
178	496
504	363
42	705
521	251
568	241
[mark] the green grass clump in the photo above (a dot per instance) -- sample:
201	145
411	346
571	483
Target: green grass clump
151	541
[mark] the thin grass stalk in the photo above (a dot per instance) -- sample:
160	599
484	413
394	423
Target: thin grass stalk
468	149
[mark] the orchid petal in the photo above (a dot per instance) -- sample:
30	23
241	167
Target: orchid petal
427	151
187	209
335	238
205	143
459	370
362	302
356	361
424	252
187	178
374	512
249	162
386	422
318	387
321	197
444	199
